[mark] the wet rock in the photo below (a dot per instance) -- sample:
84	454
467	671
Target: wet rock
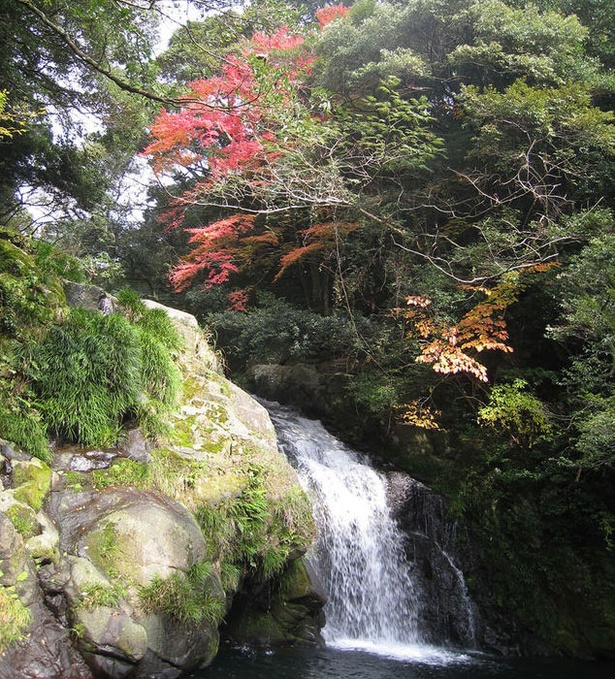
135	446
280	615
45	650
93	459
126	540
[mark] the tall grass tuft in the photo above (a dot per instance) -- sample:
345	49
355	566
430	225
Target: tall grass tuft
89	376
189	599
94	371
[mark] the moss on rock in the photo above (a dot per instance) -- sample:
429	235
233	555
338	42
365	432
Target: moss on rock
32	480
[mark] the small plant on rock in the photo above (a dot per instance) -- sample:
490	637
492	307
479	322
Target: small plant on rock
189	599
15	618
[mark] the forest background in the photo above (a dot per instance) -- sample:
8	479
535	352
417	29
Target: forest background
418	195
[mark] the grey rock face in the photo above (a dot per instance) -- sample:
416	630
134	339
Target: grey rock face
91	559
45	651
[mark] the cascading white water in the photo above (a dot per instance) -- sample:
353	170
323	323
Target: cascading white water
359	555
374	600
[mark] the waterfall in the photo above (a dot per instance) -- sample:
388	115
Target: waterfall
376	594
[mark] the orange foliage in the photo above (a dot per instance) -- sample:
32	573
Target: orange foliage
215	253
326	15
238	300
316	237
420	415
482	328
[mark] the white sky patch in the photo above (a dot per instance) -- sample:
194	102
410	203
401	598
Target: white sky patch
173	15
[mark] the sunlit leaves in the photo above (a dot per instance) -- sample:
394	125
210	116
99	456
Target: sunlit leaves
418	414
453	349
541	47
515	410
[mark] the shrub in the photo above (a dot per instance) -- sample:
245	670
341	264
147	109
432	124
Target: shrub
279	332
93	371
517	412
89	376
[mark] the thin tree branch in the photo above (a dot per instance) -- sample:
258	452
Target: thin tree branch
91	62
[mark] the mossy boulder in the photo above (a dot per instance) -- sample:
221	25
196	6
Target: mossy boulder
132	554
32	642
31	482
145	538
120	541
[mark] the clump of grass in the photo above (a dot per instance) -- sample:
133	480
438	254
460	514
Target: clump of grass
189	599
252	532
88	376
230	576
20	422
94	371
96	594
76	373
131	303
15	618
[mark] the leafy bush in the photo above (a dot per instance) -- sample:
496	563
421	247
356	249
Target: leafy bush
279	332
517	412
50	258
26	297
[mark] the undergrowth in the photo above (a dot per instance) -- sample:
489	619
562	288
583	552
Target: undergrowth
77	374
15	618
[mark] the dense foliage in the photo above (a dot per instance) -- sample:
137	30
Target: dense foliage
77	374
417	193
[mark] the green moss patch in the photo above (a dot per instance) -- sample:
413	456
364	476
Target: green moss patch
123	472
23	519
32	482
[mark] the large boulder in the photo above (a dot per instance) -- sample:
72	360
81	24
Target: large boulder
117	544
112	560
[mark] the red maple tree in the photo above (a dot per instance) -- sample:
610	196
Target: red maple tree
230	129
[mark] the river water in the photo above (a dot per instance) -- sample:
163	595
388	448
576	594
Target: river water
331	663
378	626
